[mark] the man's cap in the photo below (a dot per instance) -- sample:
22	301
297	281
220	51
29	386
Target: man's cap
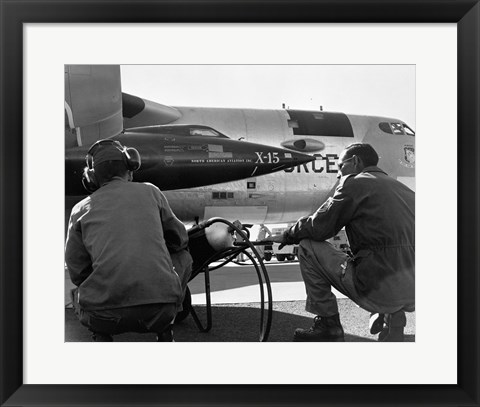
107	152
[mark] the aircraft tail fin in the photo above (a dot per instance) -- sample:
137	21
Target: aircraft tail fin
93	103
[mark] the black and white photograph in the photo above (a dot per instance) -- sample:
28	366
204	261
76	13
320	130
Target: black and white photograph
228	203
211	203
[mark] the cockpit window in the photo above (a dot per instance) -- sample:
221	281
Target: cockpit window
180	130
408	130
205	132
385	127
396	128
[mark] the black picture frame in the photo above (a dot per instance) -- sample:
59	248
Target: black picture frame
465	13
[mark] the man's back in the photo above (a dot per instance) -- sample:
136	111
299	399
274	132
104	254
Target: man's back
384	211
381	232
122	228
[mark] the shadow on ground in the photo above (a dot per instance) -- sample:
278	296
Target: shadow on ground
241	323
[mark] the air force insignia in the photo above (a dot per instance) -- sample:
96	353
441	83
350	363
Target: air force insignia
408	159
326	205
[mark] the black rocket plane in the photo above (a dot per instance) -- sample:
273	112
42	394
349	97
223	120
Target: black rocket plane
186	156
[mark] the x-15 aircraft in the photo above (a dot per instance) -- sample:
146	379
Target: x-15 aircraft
254	165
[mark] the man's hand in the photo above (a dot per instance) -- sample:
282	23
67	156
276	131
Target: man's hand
278	239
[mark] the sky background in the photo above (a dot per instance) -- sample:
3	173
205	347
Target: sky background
377	90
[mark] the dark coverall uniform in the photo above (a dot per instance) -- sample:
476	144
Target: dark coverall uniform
378	213
126	252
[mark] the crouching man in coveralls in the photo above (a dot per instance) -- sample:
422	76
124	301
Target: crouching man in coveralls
378	214
125	250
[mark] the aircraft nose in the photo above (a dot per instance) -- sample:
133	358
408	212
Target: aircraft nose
190	162
279	158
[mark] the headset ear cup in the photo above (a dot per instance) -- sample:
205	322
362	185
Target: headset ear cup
134	160
88	180
89	160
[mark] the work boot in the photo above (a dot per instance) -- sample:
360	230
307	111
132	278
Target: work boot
167	335
376	323
101	337
324	329
393	330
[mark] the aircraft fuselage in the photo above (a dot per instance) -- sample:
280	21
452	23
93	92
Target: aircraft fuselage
285	196
249	172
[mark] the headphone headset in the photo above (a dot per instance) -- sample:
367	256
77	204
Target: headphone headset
130	155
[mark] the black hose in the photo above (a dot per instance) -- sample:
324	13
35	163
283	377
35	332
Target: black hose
233	252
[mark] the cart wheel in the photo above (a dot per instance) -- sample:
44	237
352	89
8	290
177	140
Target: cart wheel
290	257
268	256
187	304
280	257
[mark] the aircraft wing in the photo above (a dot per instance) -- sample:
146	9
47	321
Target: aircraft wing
138	112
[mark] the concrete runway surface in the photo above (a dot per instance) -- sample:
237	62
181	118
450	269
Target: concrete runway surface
236	315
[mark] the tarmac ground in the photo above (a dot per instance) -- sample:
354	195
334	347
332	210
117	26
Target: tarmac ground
236	312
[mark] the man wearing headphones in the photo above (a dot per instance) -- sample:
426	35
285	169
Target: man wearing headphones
125	251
